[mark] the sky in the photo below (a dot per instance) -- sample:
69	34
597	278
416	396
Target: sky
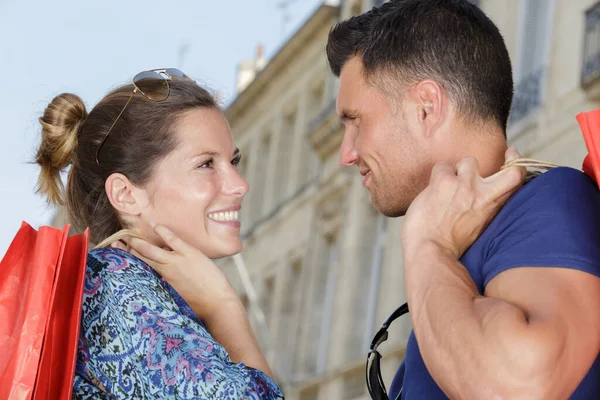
88	47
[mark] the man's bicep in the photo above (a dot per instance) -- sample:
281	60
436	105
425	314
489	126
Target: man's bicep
562	301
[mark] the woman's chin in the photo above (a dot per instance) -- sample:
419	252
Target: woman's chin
224	249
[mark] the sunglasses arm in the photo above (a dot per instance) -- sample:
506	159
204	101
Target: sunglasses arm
113	124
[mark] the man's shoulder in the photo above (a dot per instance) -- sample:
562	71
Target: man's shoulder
563	191
553	221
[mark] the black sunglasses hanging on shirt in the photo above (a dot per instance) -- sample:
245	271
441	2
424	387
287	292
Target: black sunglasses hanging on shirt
375	383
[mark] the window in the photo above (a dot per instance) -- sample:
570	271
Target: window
532	57
287	334
284	156
591	52
333	254
259	184
266	299
322	308
365	274
374	280
243	165
243	169
315	102
356	8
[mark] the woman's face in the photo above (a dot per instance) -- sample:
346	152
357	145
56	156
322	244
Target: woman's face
196	191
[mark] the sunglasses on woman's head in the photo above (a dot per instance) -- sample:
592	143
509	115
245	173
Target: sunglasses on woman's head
153	85
375	383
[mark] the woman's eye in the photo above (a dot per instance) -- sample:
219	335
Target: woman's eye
206	164
236	160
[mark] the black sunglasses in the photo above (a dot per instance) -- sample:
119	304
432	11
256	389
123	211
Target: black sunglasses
375	383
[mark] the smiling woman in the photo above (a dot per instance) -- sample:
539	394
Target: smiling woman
154	163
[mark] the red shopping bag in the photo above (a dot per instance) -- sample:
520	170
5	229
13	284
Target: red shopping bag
41	282
589	123
59	351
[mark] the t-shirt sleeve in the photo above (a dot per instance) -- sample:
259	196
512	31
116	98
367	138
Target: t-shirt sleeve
554	221
136	343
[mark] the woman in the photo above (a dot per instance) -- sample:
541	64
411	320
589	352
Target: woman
155	163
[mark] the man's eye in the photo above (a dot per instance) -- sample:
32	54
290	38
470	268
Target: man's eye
236	160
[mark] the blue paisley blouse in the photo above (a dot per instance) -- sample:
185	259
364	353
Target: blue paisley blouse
140	340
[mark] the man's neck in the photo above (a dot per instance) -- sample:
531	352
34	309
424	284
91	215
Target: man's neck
487	146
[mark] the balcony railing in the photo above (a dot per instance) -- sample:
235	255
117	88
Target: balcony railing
528	96
321	116
325	131
591	50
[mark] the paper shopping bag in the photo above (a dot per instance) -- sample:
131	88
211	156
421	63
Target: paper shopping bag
41	283
59	351
589	123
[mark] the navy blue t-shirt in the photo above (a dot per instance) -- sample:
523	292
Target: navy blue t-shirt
553	221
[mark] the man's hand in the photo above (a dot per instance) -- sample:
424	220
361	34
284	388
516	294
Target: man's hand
458	204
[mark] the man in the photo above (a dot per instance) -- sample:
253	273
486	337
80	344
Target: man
517	313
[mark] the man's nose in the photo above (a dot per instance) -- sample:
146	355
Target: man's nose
348	152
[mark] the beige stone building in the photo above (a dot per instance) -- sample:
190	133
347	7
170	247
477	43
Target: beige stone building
324	269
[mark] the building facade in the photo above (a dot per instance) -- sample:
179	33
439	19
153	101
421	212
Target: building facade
327	269
323	268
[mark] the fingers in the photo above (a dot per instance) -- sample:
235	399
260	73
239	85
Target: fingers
149	252
155	265
499	187
512	155
503	183
119	245
467	169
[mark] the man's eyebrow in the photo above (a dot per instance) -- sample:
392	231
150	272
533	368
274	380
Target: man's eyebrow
347	115
236	152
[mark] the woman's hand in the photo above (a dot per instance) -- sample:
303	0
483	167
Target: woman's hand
194	276
206	289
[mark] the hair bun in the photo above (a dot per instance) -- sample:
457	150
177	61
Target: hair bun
61	123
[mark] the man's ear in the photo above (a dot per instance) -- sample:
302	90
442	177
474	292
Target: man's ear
431	101
124	196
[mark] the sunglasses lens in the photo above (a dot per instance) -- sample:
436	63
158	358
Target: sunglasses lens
374	380
174	72
152	85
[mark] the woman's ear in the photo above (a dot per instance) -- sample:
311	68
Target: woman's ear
124	196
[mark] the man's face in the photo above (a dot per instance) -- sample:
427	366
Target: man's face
382	138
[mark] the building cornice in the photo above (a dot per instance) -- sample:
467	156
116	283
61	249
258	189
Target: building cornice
287	54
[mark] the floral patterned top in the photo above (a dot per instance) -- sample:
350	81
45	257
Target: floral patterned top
140	340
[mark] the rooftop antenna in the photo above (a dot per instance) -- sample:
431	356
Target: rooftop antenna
283	6
184	48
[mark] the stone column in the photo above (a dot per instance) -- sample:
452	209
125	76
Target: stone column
351	260
271	198
249	212
299	157
277	355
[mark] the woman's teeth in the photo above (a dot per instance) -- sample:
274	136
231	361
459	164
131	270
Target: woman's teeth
225	216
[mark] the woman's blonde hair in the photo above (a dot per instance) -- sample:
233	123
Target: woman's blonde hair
142	136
